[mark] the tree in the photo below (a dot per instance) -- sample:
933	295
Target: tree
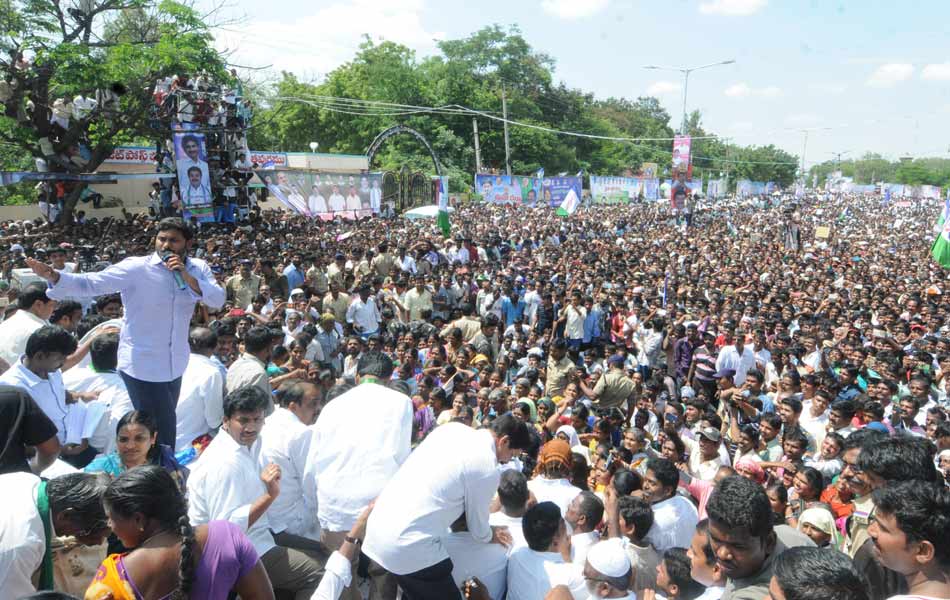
52	55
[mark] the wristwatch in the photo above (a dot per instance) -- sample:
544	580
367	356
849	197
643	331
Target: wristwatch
353	540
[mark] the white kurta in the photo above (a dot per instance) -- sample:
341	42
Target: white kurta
22	540
285	441
200	408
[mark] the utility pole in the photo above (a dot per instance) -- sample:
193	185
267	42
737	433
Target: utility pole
504	114
478	152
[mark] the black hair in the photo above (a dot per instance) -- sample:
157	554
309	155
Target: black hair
103	301
30	294
293	391
151	491
795	434
81	492
702	528
104	352
816	480
794	403
517	431
176	224
636	512
774	421
665	472
247	399
48	339
338	390
738	503
540	525
591	508
752	432
513	490
88	323
846	408
807	573
678	568
146	420
900	458
256	339
223	328
626	481
64	309
375	364
922	512
861	438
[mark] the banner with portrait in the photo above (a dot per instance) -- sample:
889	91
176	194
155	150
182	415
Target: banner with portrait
681	149
194	180
615	190
325	196
505	189
716	188
556	189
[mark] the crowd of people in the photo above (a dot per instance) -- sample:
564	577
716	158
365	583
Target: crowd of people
611	405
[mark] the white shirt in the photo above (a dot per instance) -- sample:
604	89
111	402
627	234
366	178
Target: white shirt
358	443
674	523
817	427
49	394
15	331
286	442
500	519
224	483
558	491
574	322
488	562
337	577
22	540
113	398
712	593
580	545
200	408
153	343
532	300
407	264
453	471
365	314
729	359
531	575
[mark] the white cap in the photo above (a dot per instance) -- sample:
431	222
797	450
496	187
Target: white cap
296	291
609	558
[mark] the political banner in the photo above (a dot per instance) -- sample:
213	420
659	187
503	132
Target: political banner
716	188
505	189
615	190
194	182
145	155
651	188
694	185
649	170
746	188
556	189
325	196
930	192
681	146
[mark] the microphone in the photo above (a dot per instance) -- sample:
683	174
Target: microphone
178	278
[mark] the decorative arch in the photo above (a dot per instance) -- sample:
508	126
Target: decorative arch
396	129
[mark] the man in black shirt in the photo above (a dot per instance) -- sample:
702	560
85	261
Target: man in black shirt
22	424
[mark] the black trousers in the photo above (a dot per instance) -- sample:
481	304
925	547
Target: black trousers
431	583
158	398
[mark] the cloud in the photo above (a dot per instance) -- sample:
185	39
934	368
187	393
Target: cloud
744	90
321	41
828	88
732	8
573	9
890	74
659	88
936	72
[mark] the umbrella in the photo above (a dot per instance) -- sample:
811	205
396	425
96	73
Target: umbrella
425	212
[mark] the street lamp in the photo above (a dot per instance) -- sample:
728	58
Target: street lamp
686	71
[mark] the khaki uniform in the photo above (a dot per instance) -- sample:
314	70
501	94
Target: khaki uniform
242	290
613	388
337	306
558	376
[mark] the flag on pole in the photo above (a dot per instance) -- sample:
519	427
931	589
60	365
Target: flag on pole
443	219
666	281
540	173
569	205
941	246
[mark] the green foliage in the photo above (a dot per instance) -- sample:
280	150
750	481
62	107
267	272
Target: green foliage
873	168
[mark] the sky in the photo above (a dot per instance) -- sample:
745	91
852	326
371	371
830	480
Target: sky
851	76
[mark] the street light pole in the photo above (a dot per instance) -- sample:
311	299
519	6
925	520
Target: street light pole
686	71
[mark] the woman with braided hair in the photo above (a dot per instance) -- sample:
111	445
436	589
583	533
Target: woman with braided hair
170	559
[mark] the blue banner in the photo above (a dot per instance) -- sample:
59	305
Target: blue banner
556	189
504	189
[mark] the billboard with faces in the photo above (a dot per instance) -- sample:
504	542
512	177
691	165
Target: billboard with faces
191	166
325	196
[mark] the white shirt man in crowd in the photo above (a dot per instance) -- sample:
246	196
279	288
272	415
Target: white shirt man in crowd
285	442
358	443
513	496
201	403
363	313
33	311
584	515
228	484
553	482
738	357
427	495
545	563
674	517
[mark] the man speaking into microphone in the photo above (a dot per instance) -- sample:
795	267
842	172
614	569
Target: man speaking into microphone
159	292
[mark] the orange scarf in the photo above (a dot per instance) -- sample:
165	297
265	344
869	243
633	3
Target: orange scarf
108	584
